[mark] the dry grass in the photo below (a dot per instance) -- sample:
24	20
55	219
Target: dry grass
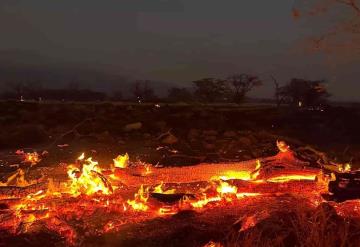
301	226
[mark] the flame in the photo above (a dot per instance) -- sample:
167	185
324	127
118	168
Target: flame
345	168
32	158
159	189
147	169
225	188
81	157
204	201
167	210
282	146
87	180
122	161
140	199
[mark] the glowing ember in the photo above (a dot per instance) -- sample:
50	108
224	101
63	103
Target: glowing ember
225	188
204	201
282	146
140	199
122	161
345	168
88	179
283	179
30	158
159	189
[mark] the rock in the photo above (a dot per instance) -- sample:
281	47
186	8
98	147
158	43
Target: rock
169	139
133	126
230	134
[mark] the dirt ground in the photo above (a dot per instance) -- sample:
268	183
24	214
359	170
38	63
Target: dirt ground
175	135
187	135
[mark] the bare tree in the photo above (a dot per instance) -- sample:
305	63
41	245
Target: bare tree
211	89
242	84
307	93
277	91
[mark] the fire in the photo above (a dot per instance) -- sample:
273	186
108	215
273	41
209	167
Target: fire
204	201
225	188
88	179
283	179
147	169
140	199
32	158
345	168
242	175
17	179
282	146
81	157
159	189
122	161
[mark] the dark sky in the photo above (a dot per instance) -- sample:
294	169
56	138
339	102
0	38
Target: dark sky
176	40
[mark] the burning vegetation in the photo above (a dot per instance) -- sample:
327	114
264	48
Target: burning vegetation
92	200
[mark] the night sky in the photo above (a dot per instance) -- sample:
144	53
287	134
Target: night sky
177	41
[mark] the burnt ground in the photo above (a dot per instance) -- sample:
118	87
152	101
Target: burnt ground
198	133
182	135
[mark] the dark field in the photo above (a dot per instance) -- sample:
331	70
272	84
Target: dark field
289	214
178	134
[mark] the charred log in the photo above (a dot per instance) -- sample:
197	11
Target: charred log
345	187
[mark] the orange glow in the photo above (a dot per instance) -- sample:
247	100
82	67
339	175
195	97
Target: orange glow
345	168
87	180
140	199
122	161
159	189
283	179
32	158
225	188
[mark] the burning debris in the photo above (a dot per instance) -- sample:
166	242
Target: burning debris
93	197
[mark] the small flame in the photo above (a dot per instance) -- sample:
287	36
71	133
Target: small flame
140	199
345	168
282	146
159	189
122	161
225	188
81	157
32	158
89	179
283	179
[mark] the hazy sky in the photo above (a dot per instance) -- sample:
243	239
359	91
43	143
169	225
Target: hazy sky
176	40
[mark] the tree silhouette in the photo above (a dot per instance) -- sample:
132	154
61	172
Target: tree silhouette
242	84
300	92
211	90
180	95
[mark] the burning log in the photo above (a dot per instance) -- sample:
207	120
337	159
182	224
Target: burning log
16	192
346	186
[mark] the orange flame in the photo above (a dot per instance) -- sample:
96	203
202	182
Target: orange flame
88	180
159	189
122	161
140	199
